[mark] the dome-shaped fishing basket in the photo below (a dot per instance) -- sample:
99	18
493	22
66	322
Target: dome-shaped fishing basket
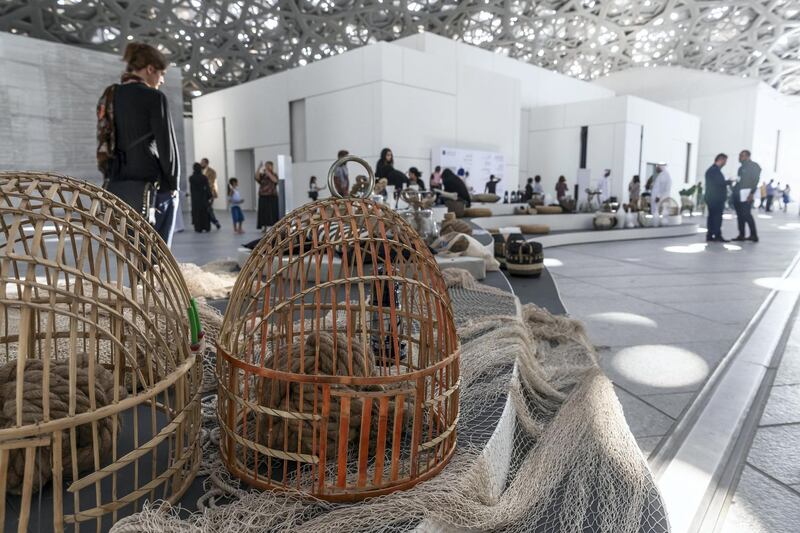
99	378
337	361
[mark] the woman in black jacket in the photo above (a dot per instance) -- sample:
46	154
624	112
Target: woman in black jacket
201	196
146	151
453	183
385	169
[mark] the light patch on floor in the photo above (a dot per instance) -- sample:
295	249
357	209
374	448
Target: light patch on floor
694	248
625	319
779	284
660	366
551	262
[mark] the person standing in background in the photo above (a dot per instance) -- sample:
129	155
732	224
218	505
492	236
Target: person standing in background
201	197
491	185
762	191
137	149
313	188
561	188
267	196
786	197
537	185
341	176
662	189
211	174
235	200
634	191
605	186
436	178
771	190
744	194
716	193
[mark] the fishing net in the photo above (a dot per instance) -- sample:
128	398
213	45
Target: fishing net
212	280
543	446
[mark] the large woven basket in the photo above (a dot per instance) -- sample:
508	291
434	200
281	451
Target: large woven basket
98	378
338	360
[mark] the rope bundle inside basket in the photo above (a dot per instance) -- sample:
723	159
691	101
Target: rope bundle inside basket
59	396
300	399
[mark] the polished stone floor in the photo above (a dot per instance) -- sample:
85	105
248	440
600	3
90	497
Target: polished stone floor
663	312
767	498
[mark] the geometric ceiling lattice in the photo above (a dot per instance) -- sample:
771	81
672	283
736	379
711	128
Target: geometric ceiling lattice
222	43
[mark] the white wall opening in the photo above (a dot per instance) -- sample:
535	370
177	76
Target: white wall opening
244	165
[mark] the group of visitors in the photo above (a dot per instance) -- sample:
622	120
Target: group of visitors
138	156
769	191
743	194
203	191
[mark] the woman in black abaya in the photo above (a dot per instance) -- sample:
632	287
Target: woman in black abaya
200	192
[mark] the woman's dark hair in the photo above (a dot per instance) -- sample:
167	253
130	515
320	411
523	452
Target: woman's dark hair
384	152
197	168
415	172
140	55
562	178
232	183
636	178
312	180
437	169
530	180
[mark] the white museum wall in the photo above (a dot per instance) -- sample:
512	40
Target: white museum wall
49	112
188	152
613	140
736	113
666	134
776	135
375	96
188	160
538	86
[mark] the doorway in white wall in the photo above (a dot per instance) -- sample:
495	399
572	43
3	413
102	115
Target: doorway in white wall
244	165
650	172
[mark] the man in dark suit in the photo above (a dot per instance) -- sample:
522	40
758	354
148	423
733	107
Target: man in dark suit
716	194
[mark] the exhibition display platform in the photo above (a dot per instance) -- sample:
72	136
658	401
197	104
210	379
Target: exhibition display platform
578	228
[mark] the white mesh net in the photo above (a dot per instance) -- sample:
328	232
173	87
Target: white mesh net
571	462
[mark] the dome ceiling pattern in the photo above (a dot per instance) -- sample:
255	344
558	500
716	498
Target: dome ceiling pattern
221	43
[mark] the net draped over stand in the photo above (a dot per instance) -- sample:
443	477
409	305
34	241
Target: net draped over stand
574	466
99	380
338	360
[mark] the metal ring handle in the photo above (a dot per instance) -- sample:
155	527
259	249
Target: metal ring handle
354	159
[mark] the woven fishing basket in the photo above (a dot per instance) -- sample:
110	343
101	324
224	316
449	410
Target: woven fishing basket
338	361
99	377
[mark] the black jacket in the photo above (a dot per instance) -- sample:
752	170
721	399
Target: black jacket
453	183
716	186
145	137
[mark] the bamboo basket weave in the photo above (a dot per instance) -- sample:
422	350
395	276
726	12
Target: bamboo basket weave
338	361
99	378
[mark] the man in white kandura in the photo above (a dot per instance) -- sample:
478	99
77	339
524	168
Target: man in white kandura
605	186
662	188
